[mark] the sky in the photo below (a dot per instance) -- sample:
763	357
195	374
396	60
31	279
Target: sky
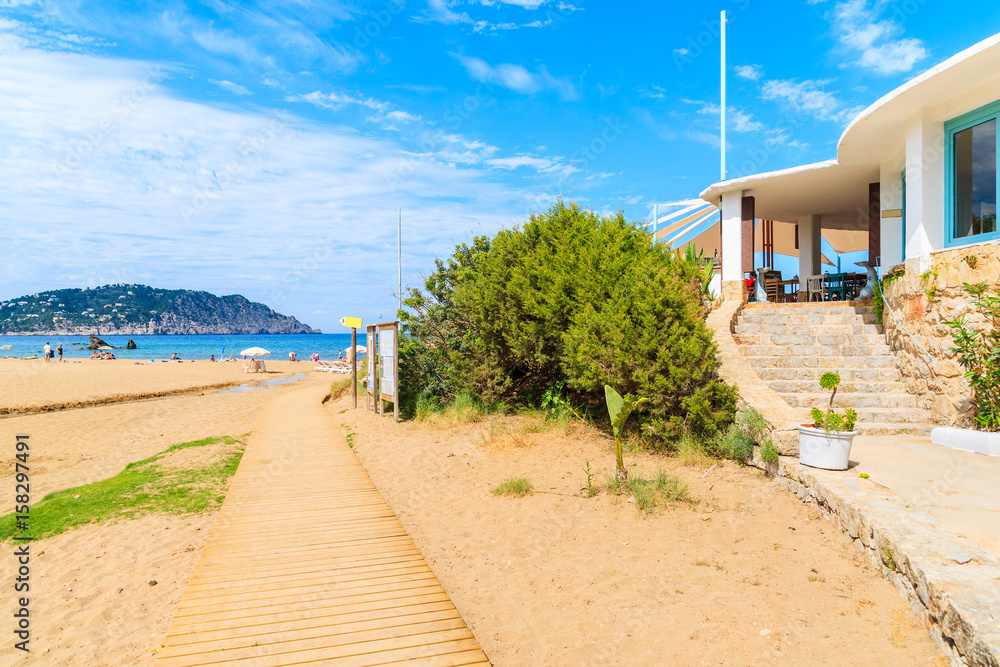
266	149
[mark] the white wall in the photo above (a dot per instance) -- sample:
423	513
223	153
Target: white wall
810	249
925	144
891	194
732	236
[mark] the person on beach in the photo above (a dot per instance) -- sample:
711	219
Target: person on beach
174	357
59	350
47	351
340	355
213	358
291	356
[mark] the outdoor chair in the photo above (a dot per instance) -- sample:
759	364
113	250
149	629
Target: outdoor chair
775	293
836	286
814	286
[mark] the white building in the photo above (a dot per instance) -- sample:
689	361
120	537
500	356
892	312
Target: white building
917	170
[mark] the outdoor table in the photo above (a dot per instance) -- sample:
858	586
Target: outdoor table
786	294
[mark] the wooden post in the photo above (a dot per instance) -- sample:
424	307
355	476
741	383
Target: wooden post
395	372
354	364
747	206
874	223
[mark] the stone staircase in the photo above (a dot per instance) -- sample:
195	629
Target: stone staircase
790	346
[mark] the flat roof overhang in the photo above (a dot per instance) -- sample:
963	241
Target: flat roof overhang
837	189
837	193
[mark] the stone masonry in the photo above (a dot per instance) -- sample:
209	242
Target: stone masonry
790	346
927	294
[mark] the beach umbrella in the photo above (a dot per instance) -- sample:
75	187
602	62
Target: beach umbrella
254	352
361	348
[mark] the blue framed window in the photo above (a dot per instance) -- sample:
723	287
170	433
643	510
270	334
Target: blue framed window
972	178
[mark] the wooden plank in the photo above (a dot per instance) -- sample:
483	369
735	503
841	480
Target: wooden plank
307	563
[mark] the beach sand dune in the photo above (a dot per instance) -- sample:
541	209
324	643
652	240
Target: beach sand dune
748	575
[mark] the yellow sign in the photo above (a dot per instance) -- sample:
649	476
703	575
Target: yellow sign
351	322
892	213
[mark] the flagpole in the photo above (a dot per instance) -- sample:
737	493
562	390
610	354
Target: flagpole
722	76
399	250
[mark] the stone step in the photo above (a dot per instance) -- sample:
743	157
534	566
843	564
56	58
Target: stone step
823	364
846	387
806	350
847	375
854	318
785	309
858	401
784	339
810	329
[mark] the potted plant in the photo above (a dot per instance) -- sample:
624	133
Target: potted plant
826	443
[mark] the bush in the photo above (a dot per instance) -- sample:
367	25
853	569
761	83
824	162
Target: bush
574	298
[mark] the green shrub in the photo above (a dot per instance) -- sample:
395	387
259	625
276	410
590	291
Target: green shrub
571	297
768	452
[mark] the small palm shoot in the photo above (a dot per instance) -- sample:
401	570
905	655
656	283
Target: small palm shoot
620	408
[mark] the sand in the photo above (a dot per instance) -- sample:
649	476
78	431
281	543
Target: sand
747	576
30	385
112	616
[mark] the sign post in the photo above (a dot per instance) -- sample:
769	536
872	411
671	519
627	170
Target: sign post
388	352
371	389
353	323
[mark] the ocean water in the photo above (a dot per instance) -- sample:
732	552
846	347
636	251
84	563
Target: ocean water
188	347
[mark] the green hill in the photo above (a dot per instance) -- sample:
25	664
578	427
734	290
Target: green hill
137	309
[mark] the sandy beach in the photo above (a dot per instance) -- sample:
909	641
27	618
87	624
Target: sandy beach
745	575
92	603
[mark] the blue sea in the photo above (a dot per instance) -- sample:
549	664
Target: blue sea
188	347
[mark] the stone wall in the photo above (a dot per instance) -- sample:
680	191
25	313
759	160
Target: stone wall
924	298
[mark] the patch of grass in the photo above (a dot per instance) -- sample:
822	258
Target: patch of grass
768	452
462	409
340	388
649	493
143	487
349	435
863	475
888	559
692	453
513	486
588	491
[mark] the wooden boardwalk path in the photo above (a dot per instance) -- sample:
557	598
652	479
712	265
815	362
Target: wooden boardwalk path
307	564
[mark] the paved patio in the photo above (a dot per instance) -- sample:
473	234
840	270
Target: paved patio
929	518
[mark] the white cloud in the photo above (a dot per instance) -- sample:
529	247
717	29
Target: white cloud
656	93
749	72
878	43
738	119
234	88
134	185
444	11
517	77
807	97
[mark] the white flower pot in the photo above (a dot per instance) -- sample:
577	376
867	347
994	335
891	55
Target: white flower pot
830	450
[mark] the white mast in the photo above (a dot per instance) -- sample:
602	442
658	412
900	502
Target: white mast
723	86
399	250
